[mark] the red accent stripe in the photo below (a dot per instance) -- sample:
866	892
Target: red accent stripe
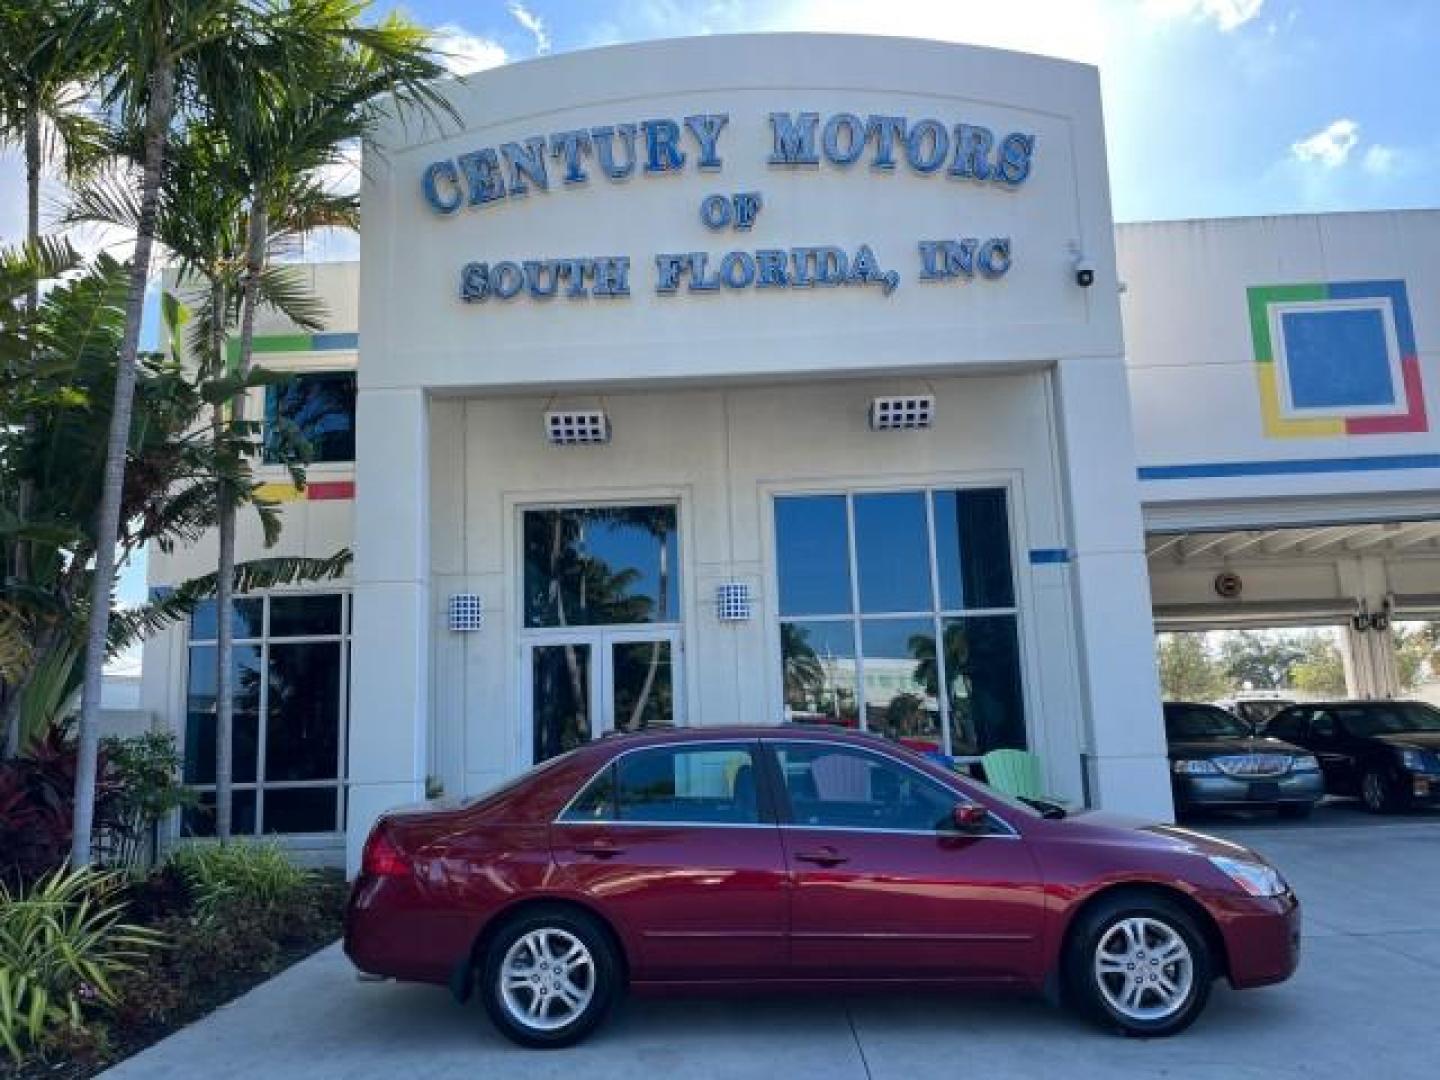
1412	421
330	489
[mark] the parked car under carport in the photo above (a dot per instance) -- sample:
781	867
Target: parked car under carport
1218	763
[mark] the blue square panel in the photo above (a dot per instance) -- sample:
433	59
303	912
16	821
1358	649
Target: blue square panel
1337	359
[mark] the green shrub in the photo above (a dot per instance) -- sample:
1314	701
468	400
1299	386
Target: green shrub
241	876
62	946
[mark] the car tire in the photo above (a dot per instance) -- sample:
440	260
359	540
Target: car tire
1296	811
1377	792
1111	941
548	977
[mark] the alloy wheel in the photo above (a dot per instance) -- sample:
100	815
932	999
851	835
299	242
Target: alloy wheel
1144	968
547	979
1372	791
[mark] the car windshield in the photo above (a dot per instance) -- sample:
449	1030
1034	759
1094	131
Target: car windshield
1260	713
1201	722
1392	719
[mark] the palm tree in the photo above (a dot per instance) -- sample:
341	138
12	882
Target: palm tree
309	126
164	60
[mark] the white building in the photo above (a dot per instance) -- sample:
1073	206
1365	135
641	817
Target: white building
719	380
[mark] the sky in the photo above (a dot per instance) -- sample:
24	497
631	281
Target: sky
1213	107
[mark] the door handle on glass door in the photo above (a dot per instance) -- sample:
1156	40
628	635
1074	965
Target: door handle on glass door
824	857
601	849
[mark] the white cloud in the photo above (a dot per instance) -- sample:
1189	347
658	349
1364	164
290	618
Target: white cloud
1378	160
1329	147
464	53
532	22
1225	14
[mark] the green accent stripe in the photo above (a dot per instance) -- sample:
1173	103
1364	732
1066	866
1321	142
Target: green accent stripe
1261	297
291	343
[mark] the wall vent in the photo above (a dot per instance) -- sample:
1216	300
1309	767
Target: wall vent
909	413
582	427
466	613
732	601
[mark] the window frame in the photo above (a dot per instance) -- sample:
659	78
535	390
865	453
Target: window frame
766	812
998	827
259	786
938	615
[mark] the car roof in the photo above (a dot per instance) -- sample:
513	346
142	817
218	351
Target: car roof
731	732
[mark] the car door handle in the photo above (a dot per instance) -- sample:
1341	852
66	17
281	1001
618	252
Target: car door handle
823	857
601	849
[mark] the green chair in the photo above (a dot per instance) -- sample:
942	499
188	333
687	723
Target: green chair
1014	772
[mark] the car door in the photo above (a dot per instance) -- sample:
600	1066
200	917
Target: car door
884	886
678	845
1329	744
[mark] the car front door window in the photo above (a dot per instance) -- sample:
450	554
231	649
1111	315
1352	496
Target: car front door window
836	787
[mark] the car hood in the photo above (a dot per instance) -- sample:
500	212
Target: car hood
1219	746
1103	827
1420	740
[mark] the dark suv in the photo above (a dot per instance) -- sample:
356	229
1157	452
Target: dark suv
1217	762
1385	752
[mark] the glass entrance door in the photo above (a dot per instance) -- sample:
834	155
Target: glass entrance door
594	681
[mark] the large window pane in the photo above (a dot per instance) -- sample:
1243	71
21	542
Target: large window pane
982	668
901	685
892	552
199	820
200	714
247	621
714	785
972	549
318	408
302	731
601	566
304	616
819	665
560	688
812	555
300	810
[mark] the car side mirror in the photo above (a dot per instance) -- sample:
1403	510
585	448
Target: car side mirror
970	817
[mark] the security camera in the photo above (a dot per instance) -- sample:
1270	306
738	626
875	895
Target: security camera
1084	272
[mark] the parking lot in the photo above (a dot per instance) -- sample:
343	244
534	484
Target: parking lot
1361	1004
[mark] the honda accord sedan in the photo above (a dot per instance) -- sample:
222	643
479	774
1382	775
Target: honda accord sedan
741	859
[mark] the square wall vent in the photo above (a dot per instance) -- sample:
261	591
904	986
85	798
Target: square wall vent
908	413
732	601
583	427
466	613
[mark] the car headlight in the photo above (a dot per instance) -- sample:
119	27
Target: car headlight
1304	763
1197	767
1413	760
1255	878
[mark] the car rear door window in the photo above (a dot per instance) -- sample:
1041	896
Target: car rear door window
710	784
841	787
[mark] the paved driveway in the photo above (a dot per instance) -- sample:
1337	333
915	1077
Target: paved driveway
1363	1004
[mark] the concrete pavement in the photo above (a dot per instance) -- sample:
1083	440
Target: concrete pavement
1362	1004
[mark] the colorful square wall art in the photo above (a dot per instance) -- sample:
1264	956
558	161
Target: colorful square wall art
1336	358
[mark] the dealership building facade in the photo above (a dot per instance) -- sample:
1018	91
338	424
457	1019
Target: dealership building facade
783	378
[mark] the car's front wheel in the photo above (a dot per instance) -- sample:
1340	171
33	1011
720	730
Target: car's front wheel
1140	964
1376	791
548	977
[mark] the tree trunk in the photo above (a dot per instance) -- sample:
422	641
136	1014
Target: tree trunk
225	603
224	600
158	112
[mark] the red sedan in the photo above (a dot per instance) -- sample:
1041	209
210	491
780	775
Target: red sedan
801	858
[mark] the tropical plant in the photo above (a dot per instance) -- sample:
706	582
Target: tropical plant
145	770
249	874
62	945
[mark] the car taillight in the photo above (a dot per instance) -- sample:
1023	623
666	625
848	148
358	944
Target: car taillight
382	858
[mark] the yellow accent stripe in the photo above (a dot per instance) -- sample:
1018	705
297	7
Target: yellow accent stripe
279	492
1278	427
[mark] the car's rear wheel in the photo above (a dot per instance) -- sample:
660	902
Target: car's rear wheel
548	977
1140	964
1376	791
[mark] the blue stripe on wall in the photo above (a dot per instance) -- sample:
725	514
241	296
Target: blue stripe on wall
1294	467
1042	556
325	342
